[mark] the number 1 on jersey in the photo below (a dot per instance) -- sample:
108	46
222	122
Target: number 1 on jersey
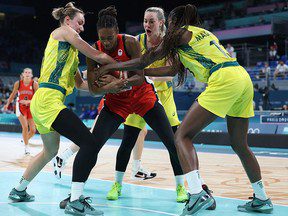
213	42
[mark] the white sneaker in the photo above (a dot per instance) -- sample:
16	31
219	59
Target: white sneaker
58	165
27	151
142	174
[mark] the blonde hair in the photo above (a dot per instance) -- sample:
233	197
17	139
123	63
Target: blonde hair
27	69
160	15
69	10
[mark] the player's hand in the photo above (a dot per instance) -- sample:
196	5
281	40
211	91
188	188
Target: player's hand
106	79
99	72
5	108
118	85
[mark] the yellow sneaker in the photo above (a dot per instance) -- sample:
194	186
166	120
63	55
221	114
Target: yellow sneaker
115	192
182	195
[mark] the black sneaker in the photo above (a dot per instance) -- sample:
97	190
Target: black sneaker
205	188
20	196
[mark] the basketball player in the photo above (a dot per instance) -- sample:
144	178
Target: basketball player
59	74
25	88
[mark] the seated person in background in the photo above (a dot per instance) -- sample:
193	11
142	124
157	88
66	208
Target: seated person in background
281	69
265	71
230	50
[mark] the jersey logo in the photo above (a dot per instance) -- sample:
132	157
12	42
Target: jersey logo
120	52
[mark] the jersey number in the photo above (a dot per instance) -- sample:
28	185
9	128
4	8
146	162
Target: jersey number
213	42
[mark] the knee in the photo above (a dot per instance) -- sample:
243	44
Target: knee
24	127
33	130
240	149
181	136
51	153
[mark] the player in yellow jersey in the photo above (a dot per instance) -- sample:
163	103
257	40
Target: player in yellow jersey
59	74
229	94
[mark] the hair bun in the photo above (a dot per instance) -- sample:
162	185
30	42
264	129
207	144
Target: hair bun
109	11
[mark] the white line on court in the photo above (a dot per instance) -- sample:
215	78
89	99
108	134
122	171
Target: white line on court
103	205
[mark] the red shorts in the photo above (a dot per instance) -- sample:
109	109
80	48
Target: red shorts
23	110
139	100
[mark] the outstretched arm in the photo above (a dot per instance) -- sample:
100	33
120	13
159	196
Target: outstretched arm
12	95
72	37
131	65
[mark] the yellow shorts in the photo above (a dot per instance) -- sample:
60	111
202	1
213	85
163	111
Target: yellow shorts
167	100
229	92
45	106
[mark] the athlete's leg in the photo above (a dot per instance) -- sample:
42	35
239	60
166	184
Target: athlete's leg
24	125
36	164
130	136
32	128
237	128
138	148
123	155
157	120
194	121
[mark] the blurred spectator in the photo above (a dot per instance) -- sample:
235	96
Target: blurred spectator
281	69
230	50
273	47
285	107
84	113
93	112
265	72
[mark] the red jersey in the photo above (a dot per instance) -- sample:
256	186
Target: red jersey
138	99
25	92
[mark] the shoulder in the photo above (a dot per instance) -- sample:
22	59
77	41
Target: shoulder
186	37
129	39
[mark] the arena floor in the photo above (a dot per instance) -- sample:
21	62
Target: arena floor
220	168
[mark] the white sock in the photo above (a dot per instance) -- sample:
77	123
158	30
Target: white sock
194	182
76	190
22	184
119	177
259	190
202	181
66	154
136	165
179	179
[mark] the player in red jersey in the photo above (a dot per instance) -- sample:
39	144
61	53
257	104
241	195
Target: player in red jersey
138	97
25	88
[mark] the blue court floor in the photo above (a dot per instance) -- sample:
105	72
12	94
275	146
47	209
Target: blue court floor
135	200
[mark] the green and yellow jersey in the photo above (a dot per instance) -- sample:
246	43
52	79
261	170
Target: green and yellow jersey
202	53
59	66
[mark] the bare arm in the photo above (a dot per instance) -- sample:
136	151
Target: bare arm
165	71
12	95
80	83
72	37
134	50
131	65
163	79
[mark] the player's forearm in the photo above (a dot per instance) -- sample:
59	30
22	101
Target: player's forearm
160	72
136	80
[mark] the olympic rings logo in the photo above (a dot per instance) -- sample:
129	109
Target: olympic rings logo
254	131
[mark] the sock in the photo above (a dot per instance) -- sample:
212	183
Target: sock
179	179
76	190
202	181
194	182
119	177
136	165
259	190
65	155
22	184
